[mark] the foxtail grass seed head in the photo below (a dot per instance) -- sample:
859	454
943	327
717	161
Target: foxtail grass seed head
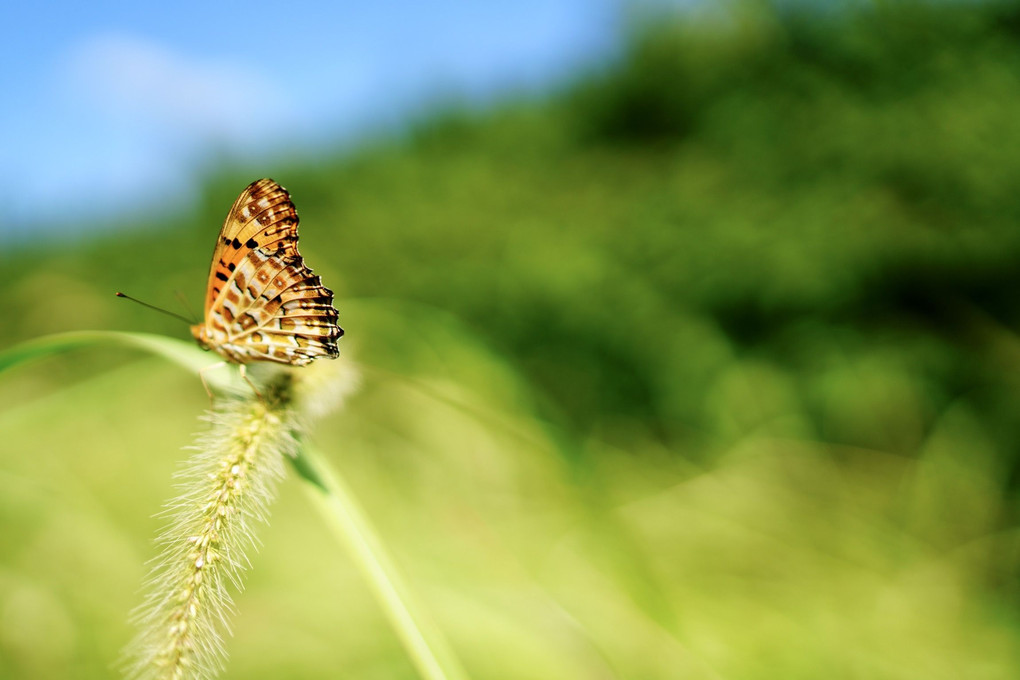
225	490
323	387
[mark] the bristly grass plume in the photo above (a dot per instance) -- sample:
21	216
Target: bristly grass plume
226	490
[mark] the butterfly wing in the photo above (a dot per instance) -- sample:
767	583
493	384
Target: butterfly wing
263	216
263	303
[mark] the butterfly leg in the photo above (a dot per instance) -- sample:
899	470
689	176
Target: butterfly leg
201	376
244	376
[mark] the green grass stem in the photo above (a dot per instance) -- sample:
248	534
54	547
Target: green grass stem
423	641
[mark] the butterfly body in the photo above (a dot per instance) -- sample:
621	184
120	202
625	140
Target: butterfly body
262	302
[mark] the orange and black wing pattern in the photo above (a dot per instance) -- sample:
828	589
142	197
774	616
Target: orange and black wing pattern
262	302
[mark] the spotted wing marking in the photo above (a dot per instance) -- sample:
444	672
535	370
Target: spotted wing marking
263	302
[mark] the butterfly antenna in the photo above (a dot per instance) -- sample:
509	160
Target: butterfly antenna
158	309
184	303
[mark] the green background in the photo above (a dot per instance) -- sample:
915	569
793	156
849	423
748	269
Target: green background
703	367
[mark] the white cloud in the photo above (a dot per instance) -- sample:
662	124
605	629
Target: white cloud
123	122
182	97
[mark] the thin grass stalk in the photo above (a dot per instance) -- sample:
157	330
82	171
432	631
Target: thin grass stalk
422	640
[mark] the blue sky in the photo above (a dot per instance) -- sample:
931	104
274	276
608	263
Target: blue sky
111	107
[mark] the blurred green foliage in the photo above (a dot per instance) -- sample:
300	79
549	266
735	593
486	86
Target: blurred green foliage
704	367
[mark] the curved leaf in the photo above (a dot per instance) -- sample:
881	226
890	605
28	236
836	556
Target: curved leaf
184	354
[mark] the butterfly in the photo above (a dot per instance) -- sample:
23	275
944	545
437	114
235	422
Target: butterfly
262	302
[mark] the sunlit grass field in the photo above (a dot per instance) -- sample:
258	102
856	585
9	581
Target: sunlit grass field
704	367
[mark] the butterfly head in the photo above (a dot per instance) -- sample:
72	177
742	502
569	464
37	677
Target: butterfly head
198	330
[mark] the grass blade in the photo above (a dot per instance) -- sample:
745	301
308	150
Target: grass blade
184	354
426	646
